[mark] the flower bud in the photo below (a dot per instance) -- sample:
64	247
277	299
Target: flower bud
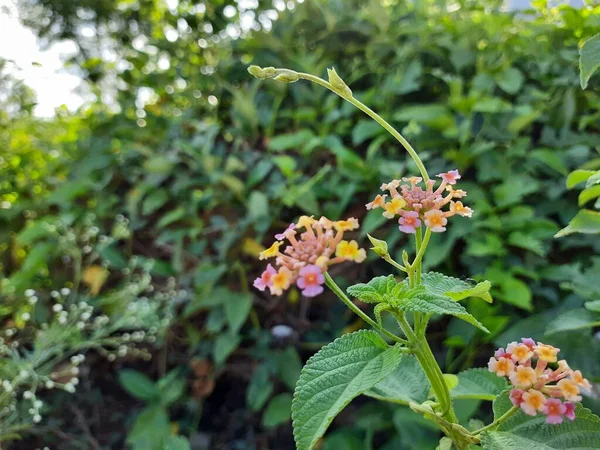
338	84
287	77
380	247
258	72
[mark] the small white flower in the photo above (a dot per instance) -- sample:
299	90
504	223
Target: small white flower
54	294
37	418
69	388
62	320
27	395
80	325
57	307
75	370
37	404
32	300
25	316
86	316
65	291
23	373
74	381
29	293
49	384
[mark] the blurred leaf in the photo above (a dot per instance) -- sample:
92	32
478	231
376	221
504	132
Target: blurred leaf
138	385
95	277
589	59
585	221
279	411
575	319
478	384
260	388
237	309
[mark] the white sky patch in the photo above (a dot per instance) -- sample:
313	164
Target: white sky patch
40	70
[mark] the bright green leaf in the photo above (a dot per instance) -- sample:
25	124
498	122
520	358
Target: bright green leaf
586	221
589	194
375	291
339	372
578	176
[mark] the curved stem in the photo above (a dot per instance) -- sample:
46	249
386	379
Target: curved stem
368	111
421	252
498	421
343	297
390	260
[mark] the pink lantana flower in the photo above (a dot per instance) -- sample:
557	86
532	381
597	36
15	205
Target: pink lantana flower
450	177
266	279
288	232
516	396
547	390
409	222
311	280
554	410
569	410
435	220
308	242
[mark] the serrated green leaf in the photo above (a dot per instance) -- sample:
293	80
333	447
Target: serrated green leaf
586	221
440	284
422	301
374	291
589	59
339	372
478	384
575	319
532	432
407	383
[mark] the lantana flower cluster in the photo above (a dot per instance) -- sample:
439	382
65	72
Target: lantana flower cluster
416	205
538	388
307	255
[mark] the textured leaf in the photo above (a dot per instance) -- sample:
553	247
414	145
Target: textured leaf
478	384
575	319
589	59
339	372
523	432
439	284
424	302
375	290
407	383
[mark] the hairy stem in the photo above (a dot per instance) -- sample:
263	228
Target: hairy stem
343	297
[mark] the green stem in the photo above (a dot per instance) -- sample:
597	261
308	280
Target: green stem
343	297
397	265
368	111
417	262
499	420
431	368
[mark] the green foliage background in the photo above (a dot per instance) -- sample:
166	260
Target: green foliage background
205	183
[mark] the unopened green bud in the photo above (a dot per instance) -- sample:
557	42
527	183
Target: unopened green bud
380	247
256	71
405	259
338	84
287	77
